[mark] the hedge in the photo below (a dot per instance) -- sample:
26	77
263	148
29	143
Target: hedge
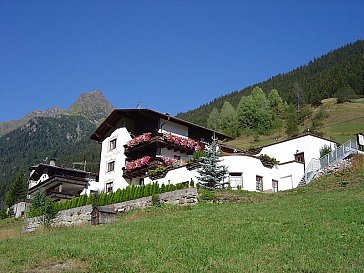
129	193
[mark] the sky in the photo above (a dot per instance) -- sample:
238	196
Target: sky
171	56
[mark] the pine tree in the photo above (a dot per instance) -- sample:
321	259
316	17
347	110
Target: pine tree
213	118
211	173
17	191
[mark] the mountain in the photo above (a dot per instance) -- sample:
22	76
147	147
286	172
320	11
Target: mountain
319	79
92	105
85	106
53	133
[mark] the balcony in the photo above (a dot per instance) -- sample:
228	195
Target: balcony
148	141
141	166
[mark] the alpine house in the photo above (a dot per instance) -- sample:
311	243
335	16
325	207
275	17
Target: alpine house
140	146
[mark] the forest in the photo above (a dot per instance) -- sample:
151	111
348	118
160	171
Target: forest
341	70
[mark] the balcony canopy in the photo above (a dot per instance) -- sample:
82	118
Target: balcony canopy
150	118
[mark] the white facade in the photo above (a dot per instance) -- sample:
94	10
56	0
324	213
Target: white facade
116	155
308	144
245	172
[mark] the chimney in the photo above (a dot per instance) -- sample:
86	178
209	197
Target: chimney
52	162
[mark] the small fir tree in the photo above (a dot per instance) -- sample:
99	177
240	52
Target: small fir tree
211	173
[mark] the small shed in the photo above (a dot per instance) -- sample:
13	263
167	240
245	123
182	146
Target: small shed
102	215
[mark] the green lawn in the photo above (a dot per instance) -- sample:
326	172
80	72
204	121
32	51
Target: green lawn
317	228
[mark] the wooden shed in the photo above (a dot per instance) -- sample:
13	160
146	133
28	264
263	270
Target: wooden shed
102	215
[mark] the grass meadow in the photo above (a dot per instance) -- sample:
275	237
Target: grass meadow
316	228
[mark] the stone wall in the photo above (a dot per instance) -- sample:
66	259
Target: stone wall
82	215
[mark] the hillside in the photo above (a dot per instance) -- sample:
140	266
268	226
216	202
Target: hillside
342	122
316	228
319	79
61	134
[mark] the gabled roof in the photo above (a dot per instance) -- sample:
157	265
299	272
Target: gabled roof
104	209
137	114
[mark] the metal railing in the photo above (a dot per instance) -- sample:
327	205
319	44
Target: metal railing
332	158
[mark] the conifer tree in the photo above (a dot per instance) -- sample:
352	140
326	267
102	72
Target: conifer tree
211	173
213	119
18	190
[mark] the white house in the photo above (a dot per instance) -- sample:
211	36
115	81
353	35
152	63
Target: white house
137	143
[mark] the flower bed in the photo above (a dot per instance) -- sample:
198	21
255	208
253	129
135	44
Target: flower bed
182	141
137	163
146	137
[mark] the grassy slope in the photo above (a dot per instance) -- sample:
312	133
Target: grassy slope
343	122
318	228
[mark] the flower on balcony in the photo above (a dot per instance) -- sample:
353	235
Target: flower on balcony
146	137
172	162
182	141
137	163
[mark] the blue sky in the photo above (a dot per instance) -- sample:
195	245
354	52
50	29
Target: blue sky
170	55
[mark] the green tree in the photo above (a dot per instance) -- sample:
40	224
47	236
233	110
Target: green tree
227	120
17	191
277	108
345	94
43	207
254	114
292	122
211	173
212	121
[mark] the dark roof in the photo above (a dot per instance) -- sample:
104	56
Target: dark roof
104	209
110	122
38	170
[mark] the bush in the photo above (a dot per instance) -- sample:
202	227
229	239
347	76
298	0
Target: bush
156	200
324	150
3	214
44	207
192	183
207	195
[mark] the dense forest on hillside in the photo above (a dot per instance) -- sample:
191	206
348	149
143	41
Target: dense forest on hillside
65	138
325	77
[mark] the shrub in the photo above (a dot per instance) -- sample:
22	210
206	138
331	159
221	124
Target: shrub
192	183
3	214
156	200
207	195
324	150
43	207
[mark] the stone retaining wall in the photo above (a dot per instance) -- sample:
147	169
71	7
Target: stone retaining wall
82	215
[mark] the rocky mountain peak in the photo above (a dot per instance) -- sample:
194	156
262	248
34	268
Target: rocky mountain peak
92	105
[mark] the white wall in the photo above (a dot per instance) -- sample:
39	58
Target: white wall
250	167
173	177
308	144
290	175
174	128
122	135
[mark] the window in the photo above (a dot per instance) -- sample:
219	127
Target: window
112	144
259	180
300	157
275	185
109	186
141	181
110	166
236	180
